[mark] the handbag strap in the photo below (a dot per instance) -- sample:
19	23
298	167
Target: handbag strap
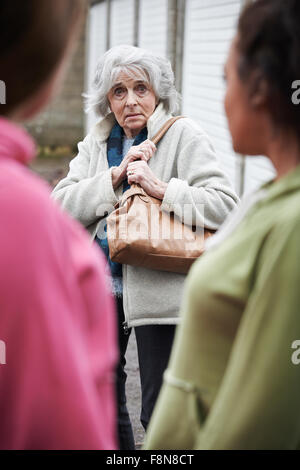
165	128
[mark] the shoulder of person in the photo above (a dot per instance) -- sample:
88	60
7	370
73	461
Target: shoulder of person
27	210
101	130
188	127
287	214
89	140
90	144
281	220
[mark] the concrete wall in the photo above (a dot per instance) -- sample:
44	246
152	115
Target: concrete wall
62	123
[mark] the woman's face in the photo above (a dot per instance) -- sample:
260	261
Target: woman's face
246	118
132	101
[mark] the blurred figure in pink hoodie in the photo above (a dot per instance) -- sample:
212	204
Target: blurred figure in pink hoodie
57	322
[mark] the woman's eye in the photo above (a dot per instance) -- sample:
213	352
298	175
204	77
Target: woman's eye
142	88
118	91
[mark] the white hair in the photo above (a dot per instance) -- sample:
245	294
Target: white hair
135	62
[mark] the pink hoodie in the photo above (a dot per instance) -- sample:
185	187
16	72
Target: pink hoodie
57	319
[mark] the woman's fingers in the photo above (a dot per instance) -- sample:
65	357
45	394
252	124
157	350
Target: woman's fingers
149	143
139	166
142	152
148	147
131	173
140	172
137	155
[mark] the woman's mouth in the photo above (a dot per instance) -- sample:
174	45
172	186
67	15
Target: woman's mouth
130	116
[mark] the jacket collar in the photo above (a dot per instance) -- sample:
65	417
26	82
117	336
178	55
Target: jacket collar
103	128
15	142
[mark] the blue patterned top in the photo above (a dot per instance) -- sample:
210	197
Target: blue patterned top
117	147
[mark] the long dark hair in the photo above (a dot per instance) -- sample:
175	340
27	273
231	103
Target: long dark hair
269	48
34	35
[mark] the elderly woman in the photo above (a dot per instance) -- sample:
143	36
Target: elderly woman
233	380
135	95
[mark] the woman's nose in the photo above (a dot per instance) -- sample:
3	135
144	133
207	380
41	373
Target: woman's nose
131	98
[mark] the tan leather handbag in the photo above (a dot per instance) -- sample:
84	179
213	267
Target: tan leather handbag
140	233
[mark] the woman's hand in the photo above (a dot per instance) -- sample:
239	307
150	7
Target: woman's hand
143	152
139	172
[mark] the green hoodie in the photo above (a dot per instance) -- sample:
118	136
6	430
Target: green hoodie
233	381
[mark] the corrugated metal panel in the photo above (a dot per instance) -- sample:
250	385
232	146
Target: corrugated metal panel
258	170
209	28
122	22
97	25
153	24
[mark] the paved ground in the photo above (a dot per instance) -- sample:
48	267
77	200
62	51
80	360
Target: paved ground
52	170
134	391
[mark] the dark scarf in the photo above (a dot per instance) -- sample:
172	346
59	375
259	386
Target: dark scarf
114	158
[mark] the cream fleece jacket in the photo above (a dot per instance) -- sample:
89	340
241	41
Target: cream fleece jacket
186	160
